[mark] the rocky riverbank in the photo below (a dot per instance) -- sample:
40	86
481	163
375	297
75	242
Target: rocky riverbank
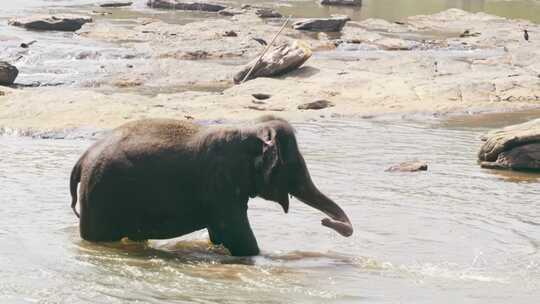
449	62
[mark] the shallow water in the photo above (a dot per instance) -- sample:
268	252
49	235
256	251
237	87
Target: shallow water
67	59
456	233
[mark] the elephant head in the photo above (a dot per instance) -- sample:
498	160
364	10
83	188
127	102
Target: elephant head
280	171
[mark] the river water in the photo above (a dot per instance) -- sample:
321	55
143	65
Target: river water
454	234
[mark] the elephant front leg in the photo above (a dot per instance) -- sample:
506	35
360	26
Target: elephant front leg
232	229
215	236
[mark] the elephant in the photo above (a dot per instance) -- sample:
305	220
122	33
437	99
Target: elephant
163	178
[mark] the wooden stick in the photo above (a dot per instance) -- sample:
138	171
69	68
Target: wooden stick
266	49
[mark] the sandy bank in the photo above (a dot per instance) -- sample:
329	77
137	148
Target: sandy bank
453	61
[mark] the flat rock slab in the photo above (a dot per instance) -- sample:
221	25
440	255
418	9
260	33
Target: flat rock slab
186	6
277	61
341	2
334	24
515	147
8	73
316	105
63	22
116	4
410	166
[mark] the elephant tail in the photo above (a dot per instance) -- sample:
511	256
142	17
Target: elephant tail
73	183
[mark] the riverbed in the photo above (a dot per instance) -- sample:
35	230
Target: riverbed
456	233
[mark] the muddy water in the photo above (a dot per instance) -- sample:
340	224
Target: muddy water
456	233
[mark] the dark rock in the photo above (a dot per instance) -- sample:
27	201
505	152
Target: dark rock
26	45
230	34
229	12
341	2
116	4
261	96
64	22
8	73
267	13
277	61
186	6
334	24
411	166
515	147
316	105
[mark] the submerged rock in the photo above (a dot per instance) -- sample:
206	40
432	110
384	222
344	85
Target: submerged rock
8	73
63	22
515	147
316	105
334	24
116	4
410	166
278	61
341	2
186	6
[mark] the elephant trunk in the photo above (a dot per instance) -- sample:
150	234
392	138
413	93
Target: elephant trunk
309	194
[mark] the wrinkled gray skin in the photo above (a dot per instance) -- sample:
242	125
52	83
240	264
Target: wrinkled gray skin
158	179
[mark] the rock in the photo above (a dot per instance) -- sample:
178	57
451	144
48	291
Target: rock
341	2
116	4
261	96
334	24
63	22
277	61
186	6
230	34
515	147
316	105
267	13
26	45
230	12
8	73
410	166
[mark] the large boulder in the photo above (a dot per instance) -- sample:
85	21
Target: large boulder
62	22
341	2
334	24
277	61
186	5
515	147
8	73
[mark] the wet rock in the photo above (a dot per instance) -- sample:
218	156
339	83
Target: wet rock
230	12
334	24
261	96
267	13
186	6
230	34
277	61
116	4
341	2
8	73
410	166
316	105
63	22
515	147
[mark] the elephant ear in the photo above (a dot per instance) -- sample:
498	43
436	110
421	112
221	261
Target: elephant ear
270	153
269	158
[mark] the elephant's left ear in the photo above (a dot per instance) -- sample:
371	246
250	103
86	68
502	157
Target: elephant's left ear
270	152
